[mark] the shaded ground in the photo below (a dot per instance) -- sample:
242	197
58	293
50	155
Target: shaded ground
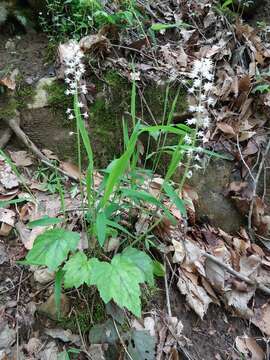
212	338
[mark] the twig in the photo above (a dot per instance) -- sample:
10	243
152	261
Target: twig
242	158
81	336
167	290
17	317
14	125
5	138
255	184
237	274
122	341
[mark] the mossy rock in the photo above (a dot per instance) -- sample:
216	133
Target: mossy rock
112	106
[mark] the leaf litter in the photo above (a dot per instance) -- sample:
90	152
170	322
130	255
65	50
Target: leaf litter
239	54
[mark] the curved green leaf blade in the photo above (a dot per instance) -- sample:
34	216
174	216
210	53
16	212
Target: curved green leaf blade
44	221
52	247
101	225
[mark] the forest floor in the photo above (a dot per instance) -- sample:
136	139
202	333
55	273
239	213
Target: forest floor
213	302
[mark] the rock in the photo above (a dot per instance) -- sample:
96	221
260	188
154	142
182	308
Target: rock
49	307
7	336
41	95
43	275
213	206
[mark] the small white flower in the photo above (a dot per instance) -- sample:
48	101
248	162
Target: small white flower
85	115
206	122
71	117
210	101
200	108
80	104
67	92
187	139
197	166
197	83
84	89
135	76
189	174
68	111
203	97
192	108
191	90
73	85
192	121
207	86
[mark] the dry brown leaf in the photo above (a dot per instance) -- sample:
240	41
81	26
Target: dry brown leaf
244	83
239	300
7	221
7	177
196	296
28	236
96	42
226	128
70	169
245	135
248	347
21	158
10	80
261	318
50	155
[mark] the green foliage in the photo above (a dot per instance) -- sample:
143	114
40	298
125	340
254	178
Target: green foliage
261	88
119	281
52	247
161	26
45	221
78	270
75	19
120	278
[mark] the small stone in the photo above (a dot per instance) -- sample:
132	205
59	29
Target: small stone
43	275
49	307
41	95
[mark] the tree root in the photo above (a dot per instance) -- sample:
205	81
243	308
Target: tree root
14	126
5	138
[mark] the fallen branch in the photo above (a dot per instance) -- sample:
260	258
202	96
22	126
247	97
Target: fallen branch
14	125
237	274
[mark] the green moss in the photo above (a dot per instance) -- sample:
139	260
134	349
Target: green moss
24	95
113	103
57	99
85	317
8	109
113	79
